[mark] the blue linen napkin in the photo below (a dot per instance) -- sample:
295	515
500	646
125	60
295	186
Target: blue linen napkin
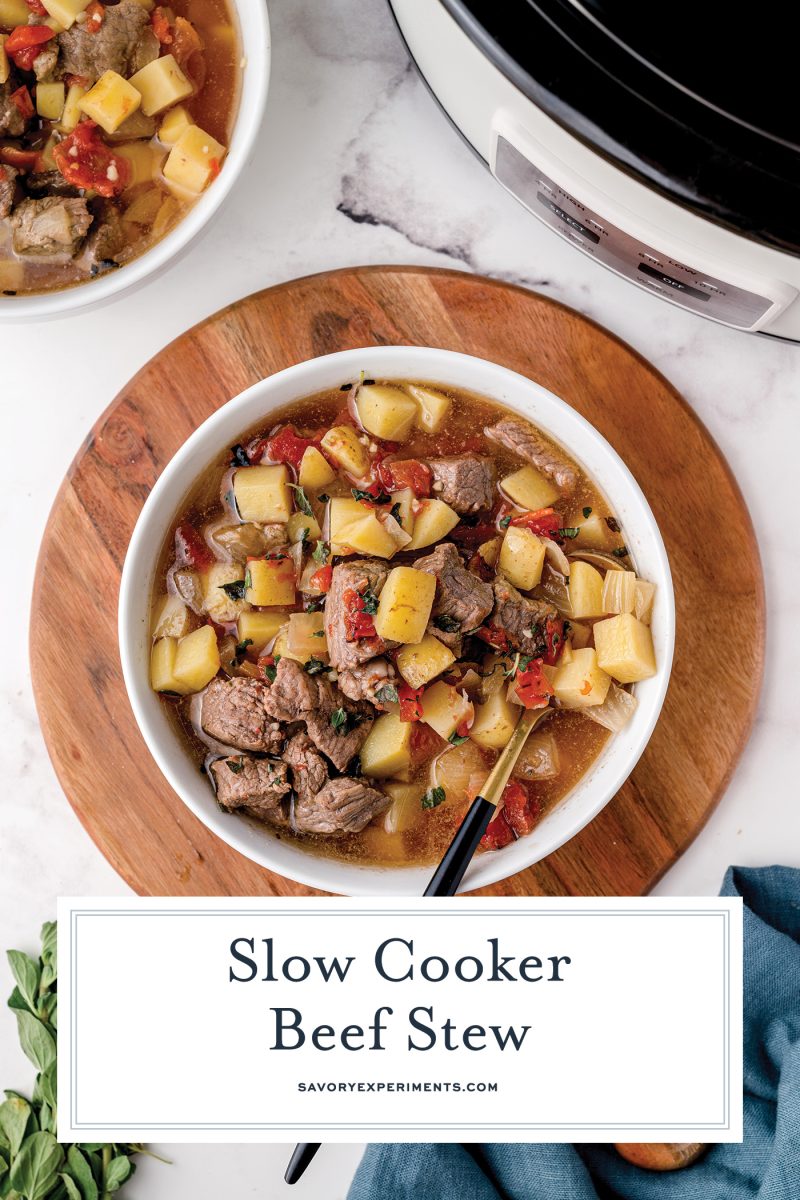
766	1164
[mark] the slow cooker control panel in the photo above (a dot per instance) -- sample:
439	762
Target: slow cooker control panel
643	264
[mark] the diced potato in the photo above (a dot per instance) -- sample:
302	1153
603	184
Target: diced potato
299	524
582	682
522	557
144	161
530	489
172	618
405	808
402	502
367	535
444	708
5	65
194	160
387	750
175	123
71	114
50	99
315	470
271	582
422	661
197	660
343	511
110	101
342	445
495	720
306	634
64	11
432	522
260	628
386	412
585	590
594	532
619	591
262	494
160	84
490	551
162	666
625	648
221	607
404	608
580	635
643	603
433	408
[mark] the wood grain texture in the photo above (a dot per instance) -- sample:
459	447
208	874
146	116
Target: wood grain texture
141	826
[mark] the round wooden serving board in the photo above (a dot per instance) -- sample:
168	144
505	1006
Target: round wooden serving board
113	784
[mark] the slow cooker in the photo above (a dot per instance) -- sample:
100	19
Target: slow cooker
664	146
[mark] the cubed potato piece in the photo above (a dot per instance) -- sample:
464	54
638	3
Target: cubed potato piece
386	412
387	750
194	160
162	667
262	494
433	408
110	101
490	551
405	808
444	708
404	608
522	557
5	65
367	535
643	603
175	123
63	11
50	100
402	504
432	522
172	618
197	660
315	470
625	648
260	628
301	527
161	84
593	531
271	582
619	591
495	720
143	159
343	511
221	607
71	114
341	443
581	682
585	591
306	634
422	661
530	489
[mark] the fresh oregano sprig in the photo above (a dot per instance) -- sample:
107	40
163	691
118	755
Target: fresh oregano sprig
34	1165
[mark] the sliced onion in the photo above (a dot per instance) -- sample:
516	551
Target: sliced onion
598	558
556	556
615	711
553	587
457	769
539	758
296	555
396	531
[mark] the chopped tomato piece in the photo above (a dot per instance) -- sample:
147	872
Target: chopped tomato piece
95	15
554	637
410	706
479	566
22	99
498	833
425	742
516	818
24	44
357	623
23	160
161	25
288	447
322	578
545	522
191	549
493	635
86	161
405	473
531	687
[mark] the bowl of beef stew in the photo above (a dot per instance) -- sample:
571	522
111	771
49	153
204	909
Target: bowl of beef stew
349	583
124	124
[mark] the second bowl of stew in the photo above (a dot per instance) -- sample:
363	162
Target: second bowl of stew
350	582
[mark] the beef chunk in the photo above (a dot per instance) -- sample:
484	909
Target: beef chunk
12	122
309	769
293	693
464	481
528	444
522	620
8	189
114	47
54	225
462	600
297	696
343	805
363	682
235	713
48	183
107	236
256	785
146	51
360	575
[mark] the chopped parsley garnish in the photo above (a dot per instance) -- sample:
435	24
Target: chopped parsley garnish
433	797
301	499
318	633
446	623
612	524
270	673
456	739
620	552
239	456
395	512
248	579
241	648
314	665
235	590
505	522
370	602
587	512
339	720
387	694
382	498
571	531
235	764
314	605
320	552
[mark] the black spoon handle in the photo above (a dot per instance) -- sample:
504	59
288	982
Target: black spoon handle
303	1154
448	875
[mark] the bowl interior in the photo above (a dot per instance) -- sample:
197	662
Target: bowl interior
556	418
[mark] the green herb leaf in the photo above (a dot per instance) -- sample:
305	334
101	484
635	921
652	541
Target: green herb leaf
241	647
236	765
14	1115
321	552
235	590
457	739
505	522
82	1172
239	456
620	552
387	694
27	975
304	535
339	720
571	531
70	1187
118	1170
315	604
314	665
381	498
370	602
433	797
270	672
395	512
301	499
318	633
446	623
587	512
35	1170
36	1040
248	580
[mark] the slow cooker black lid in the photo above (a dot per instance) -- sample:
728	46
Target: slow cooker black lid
690	98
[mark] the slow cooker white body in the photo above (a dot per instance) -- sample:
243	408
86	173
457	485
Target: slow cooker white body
656	244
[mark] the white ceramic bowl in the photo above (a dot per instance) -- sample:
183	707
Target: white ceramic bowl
254	37
584	443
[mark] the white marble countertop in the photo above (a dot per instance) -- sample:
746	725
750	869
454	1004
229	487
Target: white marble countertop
357	165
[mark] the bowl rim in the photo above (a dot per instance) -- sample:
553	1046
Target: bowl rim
254	89
285	858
